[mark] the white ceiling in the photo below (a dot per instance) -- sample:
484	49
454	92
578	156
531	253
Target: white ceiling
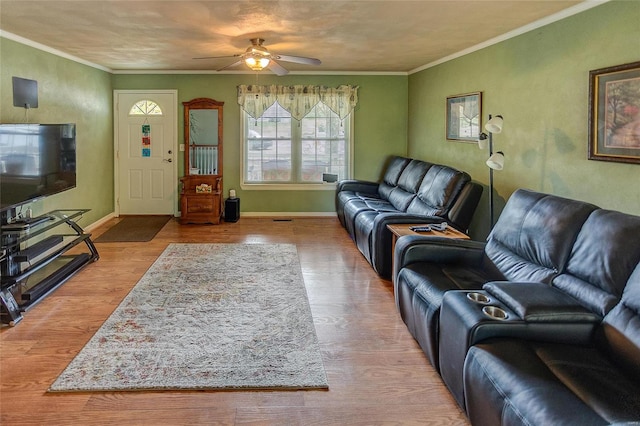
348	36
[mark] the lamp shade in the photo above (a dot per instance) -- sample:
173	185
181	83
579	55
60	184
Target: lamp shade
496	161
494	125
483	142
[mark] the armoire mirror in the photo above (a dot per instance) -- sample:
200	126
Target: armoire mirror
203	137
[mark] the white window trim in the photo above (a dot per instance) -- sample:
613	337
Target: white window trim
290	186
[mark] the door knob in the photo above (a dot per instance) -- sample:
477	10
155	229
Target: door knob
169	160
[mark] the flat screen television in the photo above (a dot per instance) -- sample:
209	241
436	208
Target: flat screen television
36	160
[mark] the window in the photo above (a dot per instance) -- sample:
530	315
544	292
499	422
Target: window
145	107
292	135
279	149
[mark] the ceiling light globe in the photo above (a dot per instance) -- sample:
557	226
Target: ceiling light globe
256	63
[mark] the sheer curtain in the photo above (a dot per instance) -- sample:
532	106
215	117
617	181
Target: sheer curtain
298	99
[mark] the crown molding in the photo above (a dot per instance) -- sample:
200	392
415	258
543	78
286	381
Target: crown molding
574	10
124	71
51	50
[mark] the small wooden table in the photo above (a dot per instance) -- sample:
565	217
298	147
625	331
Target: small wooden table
402	229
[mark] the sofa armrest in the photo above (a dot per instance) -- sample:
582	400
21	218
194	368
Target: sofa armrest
355	185
381	237
462	211
538	302
417	248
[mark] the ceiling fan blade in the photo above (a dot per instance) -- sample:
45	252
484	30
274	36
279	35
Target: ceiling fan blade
276	68
230	65
298	59
218	57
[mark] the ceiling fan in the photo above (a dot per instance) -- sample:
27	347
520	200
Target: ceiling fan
257	57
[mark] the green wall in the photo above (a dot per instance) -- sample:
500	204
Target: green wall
380	127
73	92
68	92
539	82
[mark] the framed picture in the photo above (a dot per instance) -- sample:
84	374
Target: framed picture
464	113
614	114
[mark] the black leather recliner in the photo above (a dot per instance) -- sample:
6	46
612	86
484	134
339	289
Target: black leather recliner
411	191
531	242
514	381
566	311
554	337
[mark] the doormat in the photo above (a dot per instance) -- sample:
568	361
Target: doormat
134	229
207	317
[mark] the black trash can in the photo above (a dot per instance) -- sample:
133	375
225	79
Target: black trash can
232	210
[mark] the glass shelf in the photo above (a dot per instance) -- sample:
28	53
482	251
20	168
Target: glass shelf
16	233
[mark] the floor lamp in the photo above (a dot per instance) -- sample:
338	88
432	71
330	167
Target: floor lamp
496	160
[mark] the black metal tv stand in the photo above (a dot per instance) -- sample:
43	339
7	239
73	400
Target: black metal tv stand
36	257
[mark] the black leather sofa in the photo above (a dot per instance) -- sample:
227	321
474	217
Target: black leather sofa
540	324
411	191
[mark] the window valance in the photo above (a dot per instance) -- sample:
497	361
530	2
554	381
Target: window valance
298	99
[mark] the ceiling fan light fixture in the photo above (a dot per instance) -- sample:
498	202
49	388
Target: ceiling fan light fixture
257	57
257	63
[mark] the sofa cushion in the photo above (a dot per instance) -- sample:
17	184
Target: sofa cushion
344	197
400	199
413	174
510	381
408	183
392	176
438	191
394	169
532	239
604	255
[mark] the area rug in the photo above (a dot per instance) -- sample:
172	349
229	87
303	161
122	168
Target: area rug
134	229
207	316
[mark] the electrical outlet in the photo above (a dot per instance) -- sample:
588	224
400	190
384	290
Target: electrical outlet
181	147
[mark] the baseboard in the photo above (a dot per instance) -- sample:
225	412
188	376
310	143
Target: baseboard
99	222
288	214
110	216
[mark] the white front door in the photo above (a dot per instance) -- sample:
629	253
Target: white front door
145	140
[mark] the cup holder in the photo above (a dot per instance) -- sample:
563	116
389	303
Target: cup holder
479	298
495	313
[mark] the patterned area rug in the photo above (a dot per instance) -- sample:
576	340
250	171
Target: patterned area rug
207	316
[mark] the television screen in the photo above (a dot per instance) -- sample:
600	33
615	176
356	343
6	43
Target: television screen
36	160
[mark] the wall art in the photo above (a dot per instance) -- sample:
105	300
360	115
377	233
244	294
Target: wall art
464	113
614	113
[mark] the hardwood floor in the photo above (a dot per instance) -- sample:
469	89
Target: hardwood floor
377	373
